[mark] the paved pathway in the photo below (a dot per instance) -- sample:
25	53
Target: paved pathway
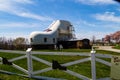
108	48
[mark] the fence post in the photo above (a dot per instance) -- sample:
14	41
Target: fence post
93	66
29	62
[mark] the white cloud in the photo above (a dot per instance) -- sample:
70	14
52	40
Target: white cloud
14	7
93	2
23	25
85	29
108	16
83	22
17	24
118	9
14	35
89	34
24	1
33	16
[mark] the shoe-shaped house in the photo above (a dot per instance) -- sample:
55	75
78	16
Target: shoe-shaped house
59	30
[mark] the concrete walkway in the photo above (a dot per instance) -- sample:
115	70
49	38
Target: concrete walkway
108	48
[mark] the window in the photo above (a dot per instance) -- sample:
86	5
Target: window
58	30
45	39
68	28
53	40
31	39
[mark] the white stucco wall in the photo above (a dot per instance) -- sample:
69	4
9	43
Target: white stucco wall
52	33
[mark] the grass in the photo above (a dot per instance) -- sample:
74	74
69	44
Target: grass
107	52
83	68
117	46
66	50
13	77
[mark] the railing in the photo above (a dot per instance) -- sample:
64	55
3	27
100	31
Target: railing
91	57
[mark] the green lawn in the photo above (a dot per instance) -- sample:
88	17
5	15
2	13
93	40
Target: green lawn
83	68
12	77
117	46
66	50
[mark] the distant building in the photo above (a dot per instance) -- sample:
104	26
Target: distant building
79	44
59	32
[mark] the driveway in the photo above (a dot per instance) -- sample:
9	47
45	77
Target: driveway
108	48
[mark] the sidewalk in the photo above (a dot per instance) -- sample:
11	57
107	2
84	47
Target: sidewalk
108	48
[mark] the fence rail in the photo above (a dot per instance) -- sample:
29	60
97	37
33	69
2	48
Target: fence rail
93	57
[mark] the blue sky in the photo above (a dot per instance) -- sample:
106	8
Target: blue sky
18	18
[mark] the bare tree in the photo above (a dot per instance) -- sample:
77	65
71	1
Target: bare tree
3	42
19	43
93	40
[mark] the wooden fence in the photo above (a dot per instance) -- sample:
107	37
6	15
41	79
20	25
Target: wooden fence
93	57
